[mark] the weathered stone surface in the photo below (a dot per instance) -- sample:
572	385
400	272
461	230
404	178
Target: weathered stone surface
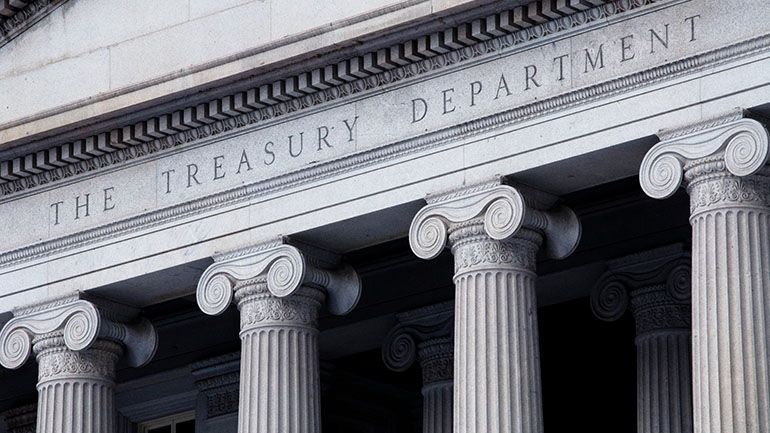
561	148
723	164
656	286
481	84
279	290
426	334
77	345
287	31
495	231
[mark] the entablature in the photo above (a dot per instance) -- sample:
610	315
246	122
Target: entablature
378	142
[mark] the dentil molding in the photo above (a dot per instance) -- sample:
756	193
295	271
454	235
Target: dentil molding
226	121
510	27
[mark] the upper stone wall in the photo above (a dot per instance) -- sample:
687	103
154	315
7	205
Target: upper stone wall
91	50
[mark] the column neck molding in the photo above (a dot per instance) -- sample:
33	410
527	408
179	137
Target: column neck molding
260	308
57	361
655	285
77	324
712	186
425	334
279	269
729	143
496	211
436	360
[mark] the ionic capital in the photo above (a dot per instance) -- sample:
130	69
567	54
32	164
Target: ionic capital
425	333
284	268
741	144
81	323
504	210
655	285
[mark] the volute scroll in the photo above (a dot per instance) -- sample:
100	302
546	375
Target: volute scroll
743	144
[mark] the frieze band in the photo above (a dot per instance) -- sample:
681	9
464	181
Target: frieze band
377	155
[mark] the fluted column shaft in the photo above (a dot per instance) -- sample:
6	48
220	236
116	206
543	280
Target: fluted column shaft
495	231
436	361
656	286
663	362
75	388
497	360
730	222
77	344
425	334
280	371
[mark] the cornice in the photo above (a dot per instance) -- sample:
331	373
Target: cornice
428	53
344	164
14	20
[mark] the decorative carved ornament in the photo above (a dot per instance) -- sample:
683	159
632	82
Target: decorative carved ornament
82	323
741	145
655	285
468	40
437	360
503	211
258	306
16	16
56	363
285	269
145	139
426	333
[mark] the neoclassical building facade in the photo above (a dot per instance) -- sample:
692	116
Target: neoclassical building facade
470	216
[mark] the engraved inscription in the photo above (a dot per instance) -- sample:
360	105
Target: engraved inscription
82	206
264	150
510	82
450	95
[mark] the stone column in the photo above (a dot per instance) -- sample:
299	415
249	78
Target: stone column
495	231
655	286
723	162
279	290
426	334
77	345
21	419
